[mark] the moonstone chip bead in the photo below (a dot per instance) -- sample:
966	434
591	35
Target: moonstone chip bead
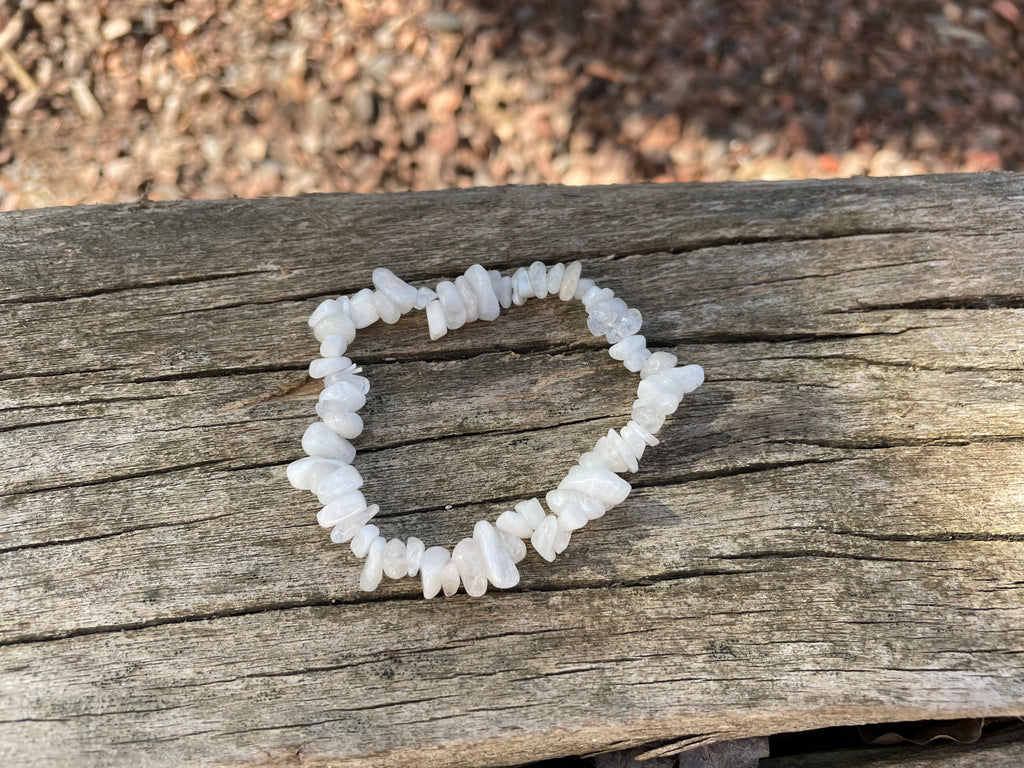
335	325
350	526
337	484
469	559
543	539
657	385
628	348
531	510
648	416
469	299
658	362
623	449
400	293
450	579
361	308
319	440
602	484
413	555
345	394
608	457
687	378
583	286
386	308
333	346
570	279
513	545
559	501
514	523
393	559
343	423
502	285
595	296
431	565
501	571
626	324
436	324
451	302
603	315
360	382
591	460
323	309
571	519
555	274
488	307
325	366
361	542
341	509
538	274
522	288
372	569
307	473
423	297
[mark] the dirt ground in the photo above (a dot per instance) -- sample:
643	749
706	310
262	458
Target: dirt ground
106	101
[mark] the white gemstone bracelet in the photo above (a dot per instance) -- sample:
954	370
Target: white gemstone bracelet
591	488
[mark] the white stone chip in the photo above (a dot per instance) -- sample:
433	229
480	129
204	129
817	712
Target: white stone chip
307	473
555	274
627	346
323	309
386	308
623	449
469	559
346	394
452	303
372	569
333	346
660	384
501	571
344	424
413	555
591	460
325	366
657	363
531	510
543	539
318	440
363	310
401	294
350	526
363	539
502	285
393	559
561	500
687	378
514	523
469	299
572	519
360	382
583	285
610	458
341	509
515	546
423	297
596	295
450	578
488	307
626	324
522	288
436	325
337	324
570	278
602	484
431	564
346	478
538	274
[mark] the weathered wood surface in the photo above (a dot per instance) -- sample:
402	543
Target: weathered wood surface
832	531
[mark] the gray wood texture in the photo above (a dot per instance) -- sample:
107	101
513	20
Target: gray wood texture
832	531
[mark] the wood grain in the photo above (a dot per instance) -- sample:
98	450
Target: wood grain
832	531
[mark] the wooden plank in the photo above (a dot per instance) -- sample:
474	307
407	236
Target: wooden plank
831	533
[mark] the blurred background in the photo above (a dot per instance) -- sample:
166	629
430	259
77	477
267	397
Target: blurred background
111	100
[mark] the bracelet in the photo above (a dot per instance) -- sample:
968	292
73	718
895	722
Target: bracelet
591	488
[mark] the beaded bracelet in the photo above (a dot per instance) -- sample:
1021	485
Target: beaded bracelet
590	488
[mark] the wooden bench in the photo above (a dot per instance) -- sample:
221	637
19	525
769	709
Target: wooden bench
832	531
